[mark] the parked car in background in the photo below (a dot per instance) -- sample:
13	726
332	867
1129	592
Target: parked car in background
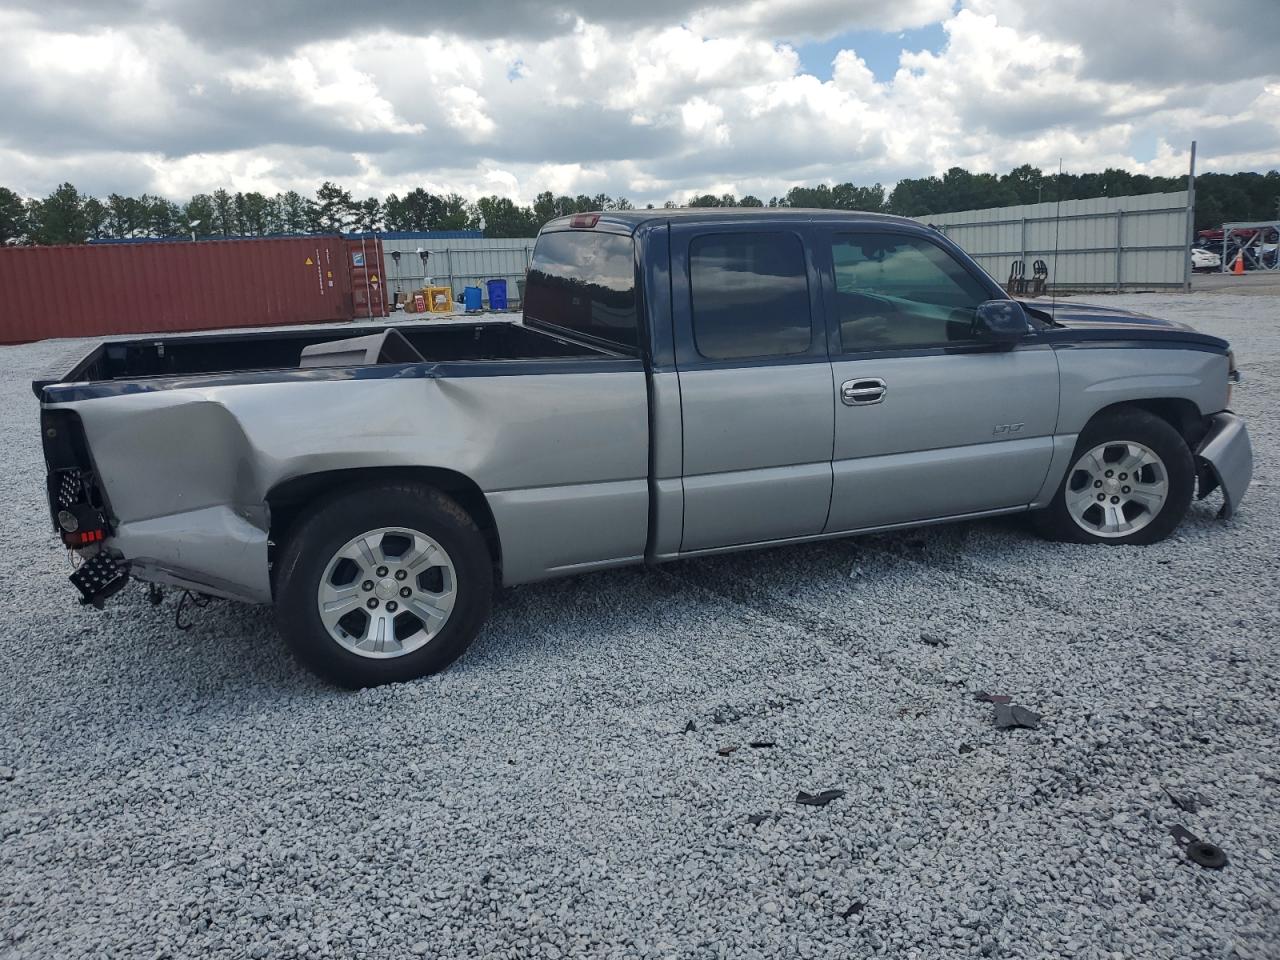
1205	260
683	383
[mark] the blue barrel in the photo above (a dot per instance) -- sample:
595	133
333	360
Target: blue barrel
471	299
497	294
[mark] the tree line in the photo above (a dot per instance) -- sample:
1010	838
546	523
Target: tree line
68	216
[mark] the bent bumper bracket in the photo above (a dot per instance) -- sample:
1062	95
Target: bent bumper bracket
1224	459
98	578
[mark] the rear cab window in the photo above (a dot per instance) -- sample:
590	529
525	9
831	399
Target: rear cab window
750	296
584	282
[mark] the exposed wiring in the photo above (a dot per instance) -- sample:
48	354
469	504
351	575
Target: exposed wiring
199	600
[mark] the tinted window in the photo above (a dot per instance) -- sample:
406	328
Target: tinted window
586	282
750	295
894	292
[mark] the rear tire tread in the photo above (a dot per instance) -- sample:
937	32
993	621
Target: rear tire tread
347	513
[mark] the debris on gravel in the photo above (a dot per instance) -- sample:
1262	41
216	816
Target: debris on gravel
820	799
1208	855
725	714
197	794
1011	716
983	697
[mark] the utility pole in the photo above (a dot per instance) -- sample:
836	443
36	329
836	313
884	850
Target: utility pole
1191	220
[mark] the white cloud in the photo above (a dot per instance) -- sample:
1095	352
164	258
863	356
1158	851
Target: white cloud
328	82
818	19
464	109
630	102
705	120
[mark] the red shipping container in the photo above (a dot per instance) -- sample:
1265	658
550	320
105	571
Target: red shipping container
164	287
367	275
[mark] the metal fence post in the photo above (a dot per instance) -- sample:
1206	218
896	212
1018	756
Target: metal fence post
1191	221
1119	248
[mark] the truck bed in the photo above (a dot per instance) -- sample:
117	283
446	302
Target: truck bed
180	356
187	446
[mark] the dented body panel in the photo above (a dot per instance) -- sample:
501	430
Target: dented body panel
562	459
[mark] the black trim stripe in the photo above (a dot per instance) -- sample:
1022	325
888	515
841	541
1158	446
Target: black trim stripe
1134	336
454	370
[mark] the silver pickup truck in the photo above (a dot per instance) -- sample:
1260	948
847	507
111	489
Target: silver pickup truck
682	383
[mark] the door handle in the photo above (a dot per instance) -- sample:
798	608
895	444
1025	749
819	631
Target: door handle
863	392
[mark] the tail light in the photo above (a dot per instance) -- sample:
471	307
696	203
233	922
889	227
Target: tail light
75	499
585	220
80	522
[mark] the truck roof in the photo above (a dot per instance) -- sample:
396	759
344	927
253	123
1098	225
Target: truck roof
631	219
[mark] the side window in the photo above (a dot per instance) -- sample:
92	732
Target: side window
894	292
750	295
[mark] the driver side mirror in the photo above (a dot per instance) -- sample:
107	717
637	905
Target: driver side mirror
1001	323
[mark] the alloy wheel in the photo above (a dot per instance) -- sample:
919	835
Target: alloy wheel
387	592
1116	489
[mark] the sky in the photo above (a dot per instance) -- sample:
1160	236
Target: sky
652	101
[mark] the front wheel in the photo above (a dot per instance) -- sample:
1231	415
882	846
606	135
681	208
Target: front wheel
383	584
1130	481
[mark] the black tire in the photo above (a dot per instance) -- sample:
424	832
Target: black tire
336	521
1133	425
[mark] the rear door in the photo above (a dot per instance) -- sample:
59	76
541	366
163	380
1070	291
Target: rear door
755	384
929	421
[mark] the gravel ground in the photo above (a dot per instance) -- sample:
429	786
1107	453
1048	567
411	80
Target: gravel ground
171	794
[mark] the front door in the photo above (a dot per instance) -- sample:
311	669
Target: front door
930	422
755	384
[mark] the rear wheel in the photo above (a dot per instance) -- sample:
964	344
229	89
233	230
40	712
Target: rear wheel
383	584
1130	481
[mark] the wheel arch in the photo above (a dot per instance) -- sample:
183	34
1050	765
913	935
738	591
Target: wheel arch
290	500
1150	419
1179	412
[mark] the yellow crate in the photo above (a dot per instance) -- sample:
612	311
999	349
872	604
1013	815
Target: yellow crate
439	299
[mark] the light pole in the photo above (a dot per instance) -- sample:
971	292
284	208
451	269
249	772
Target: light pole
193	224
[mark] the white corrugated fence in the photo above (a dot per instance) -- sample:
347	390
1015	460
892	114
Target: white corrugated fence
456	262
1103	243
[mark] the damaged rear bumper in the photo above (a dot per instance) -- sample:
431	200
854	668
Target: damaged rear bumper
217	550
1224	459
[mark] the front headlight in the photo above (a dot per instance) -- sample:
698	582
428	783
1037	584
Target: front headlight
1234	375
